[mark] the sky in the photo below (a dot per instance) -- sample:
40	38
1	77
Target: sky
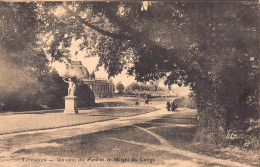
91	64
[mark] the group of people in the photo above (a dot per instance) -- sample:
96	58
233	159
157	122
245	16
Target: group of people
171	106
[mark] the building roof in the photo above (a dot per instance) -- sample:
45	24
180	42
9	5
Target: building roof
76	69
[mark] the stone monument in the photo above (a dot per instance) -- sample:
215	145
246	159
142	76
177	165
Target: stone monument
70	100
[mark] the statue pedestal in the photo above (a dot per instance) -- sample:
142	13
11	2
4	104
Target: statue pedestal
70	105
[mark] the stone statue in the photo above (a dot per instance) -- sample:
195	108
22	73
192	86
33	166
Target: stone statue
71	88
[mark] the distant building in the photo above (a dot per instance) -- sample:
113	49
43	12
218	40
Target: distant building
101	87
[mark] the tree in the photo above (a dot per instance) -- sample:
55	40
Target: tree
18	90
134	86
155	84
19	39
216	45
212	49
194	47
120	87
54	90
22	61
85	96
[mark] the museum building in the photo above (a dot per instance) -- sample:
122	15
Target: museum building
102	88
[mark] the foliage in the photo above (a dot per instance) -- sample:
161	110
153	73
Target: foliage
173	106
22	62
186	102
120	87
85	96
135	86
22	91
54	90
18	36
212	47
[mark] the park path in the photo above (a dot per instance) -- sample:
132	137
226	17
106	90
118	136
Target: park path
165	146
14	143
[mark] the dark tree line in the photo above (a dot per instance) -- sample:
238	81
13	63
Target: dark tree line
135	86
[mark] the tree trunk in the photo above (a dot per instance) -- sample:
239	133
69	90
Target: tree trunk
211	127
211	119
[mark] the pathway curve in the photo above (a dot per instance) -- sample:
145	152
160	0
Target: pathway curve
165	146
11	143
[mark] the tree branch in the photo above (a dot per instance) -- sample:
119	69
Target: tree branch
106	33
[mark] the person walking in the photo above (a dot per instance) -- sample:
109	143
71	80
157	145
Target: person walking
168	105
173	106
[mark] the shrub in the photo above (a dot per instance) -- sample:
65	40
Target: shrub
185	102
85	96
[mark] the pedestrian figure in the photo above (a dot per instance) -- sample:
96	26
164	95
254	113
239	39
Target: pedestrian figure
137	103
168	105
173	106
146	101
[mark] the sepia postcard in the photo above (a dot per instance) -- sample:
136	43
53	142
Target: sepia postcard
129	83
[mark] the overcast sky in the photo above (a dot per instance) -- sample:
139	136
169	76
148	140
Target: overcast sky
91	63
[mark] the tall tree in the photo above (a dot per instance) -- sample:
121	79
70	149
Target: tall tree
22	62
26	78
120	87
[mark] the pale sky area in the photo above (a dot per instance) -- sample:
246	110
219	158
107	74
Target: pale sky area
91	63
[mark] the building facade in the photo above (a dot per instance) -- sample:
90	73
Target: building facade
102	88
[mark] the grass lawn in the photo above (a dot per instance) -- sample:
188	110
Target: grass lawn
27	122
36	120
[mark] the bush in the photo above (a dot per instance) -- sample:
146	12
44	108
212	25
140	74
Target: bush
245	139
54	90
185	102
173	106
85	96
